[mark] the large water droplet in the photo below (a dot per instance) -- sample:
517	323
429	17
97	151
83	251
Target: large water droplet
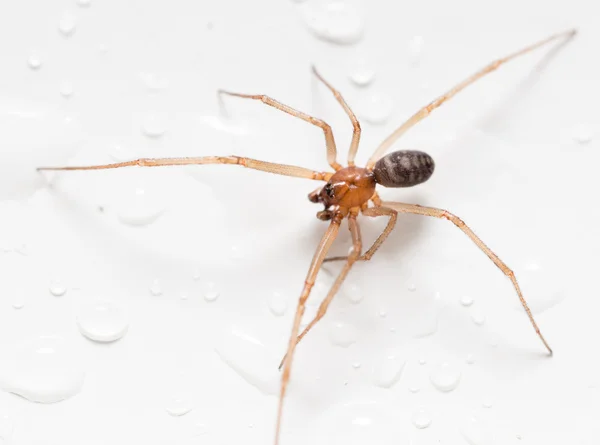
466	300
34	62
376	108
445	377
335	21
251	359
154	126
67	25
342	334
540	286
179	405
103	321
139	208
278	303
44	370
120	153
421	418
353	293
57	288
389	371
475	432
362	74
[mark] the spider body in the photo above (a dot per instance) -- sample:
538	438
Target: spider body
349	191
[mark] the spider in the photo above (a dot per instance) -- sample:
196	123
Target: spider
348	191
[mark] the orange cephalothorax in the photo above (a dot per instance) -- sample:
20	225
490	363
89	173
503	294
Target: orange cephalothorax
349	187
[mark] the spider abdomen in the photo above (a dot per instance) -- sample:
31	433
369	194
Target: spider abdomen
403	168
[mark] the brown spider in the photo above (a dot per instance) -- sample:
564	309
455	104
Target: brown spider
347	193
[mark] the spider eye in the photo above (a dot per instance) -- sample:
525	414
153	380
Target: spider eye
329	190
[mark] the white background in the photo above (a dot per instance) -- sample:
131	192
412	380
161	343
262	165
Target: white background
509	161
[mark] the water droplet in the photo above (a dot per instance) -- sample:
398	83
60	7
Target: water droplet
421	418
414	389
478	317
66	90
336	22
155	288
45	370
179	405
139	208
19	303
361	74
422	361
445	377
34	62
470	359
466	300
376	108
342	334
540	285
251	359
84	3
389	371
487	403
382	314
475	432
66	26
154	126
210	292
183	296
353	293
356	365
102	321
121	153
278	303
415	49
583	133
57	288
412	287
6	430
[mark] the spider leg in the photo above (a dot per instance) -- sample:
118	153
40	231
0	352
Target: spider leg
443	214
355	124
279	169
374	212
426	111
329	139
352	258
317	261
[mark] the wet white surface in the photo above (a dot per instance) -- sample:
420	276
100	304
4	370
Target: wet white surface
209	260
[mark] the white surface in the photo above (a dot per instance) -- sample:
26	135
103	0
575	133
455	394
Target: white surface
516	157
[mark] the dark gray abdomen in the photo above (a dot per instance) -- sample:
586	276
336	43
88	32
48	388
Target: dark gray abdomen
404	168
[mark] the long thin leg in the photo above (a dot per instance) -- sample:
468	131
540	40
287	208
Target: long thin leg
355	124
329	139
326	242
351	259
425	111
439	213
279	169
374	212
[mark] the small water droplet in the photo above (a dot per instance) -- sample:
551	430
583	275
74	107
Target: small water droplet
155	288
414	389
57	288
102	321
336	22
354	293
18	303
342	334
278	303
415	49
179	405
34	62
470	359
583	133
475	432
45	370
389	371
421	418
376	108
183	296
445	377
67	25
356	365
84	3
154	126
412	287
139	208
487	403
66	90
382	314
211	292
478	317
422	361
466	300
361	74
